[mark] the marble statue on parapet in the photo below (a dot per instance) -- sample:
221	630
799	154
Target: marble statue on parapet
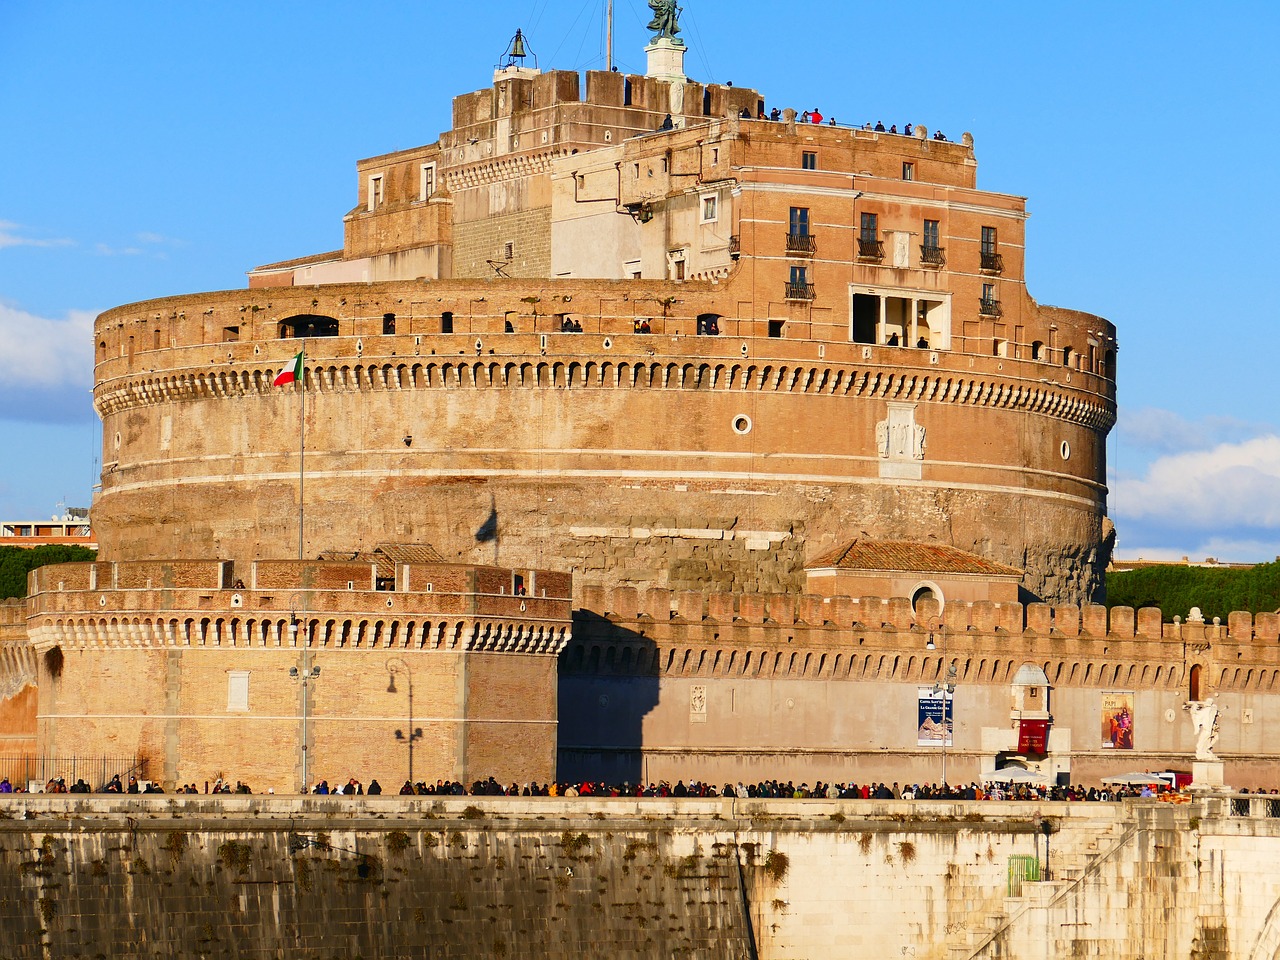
665	19
1204	720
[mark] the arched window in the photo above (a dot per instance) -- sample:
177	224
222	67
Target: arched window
1193	687
308	325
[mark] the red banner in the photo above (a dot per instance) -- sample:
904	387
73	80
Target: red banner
1033	737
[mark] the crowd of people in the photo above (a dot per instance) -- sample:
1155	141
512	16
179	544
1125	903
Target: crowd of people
764	789
815	116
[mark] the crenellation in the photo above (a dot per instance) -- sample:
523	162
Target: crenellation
1093	620
1240	626
1039	618
1066	620
1151	624
1123	623
1266	627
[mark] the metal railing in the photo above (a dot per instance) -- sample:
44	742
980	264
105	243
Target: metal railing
870	249
35	772
992	262
934	256
802	243
799	291
989	308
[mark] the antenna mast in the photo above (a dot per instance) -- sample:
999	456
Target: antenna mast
608	64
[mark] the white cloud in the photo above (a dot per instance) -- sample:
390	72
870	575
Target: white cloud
11	236
1231	488
42	352
1165	432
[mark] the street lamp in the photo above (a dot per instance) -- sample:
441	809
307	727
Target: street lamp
398	665
946	687
304	677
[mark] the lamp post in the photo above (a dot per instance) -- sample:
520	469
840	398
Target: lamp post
946	687
304	677
411	733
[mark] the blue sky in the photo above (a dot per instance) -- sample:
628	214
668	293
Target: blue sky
151	149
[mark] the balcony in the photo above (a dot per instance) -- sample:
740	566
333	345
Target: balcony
801	245
992	262
799	291
933	256
989	307
870	249
735	246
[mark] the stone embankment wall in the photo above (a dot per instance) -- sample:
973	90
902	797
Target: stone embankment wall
388	877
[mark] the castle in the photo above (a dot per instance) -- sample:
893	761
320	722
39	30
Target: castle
702	382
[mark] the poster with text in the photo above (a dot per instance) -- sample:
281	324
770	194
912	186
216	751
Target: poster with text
1117	720
933	718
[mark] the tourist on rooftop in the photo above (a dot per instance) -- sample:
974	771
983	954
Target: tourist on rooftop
879	126
775	114
815	116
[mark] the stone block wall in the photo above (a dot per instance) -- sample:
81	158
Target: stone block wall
251	877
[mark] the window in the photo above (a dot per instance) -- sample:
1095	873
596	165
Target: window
388	324
931	233
446	322
989	305
988	240
868	227
709	208
991	260
908	170
869	246
809	160
229	334
799	221
375	192
799	287
508	251
715	155
238	691
427	181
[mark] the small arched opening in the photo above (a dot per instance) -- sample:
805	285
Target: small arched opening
308	325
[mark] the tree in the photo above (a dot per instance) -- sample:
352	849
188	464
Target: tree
17	562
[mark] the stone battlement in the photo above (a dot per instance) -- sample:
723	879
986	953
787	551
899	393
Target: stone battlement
296	604
1034	620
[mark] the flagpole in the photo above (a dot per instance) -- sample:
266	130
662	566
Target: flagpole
302	445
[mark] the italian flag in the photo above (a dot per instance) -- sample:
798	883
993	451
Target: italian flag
290	373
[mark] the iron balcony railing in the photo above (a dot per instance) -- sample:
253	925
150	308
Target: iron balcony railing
870	249
933	256
799	291
803	244
992	262
989	308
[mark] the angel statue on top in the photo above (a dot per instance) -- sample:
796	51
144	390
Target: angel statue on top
665	17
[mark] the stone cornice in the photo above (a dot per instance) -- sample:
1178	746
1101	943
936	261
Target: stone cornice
621	371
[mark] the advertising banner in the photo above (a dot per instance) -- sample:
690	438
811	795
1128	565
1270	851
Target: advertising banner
1033	736
1117	720
933	718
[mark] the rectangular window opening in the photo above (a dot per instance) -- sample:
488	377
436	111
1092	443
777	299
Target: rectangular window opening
427	181
908	170
809	160
374	199
446	322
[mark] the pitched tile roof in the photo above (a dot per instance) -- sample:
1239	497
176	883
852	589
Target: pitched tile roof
909	555
409	552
